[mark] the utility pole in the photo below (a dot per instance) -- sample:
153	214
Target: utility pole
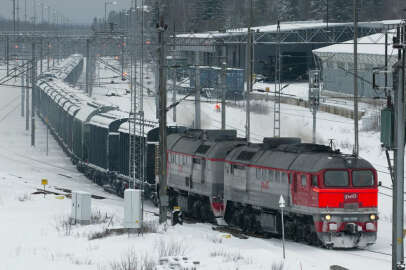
197	124
48	47
18	15
41	54
249	74
163	192
399	150
122	58
223	96
25	11
27	99
22	91
277	102
33	94
356	142
174	94
8	55
14	16
88	68
314	97
282	205
174	71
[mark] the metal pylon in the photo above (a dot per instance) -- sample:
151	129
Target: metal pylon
136	136
277	101
136	116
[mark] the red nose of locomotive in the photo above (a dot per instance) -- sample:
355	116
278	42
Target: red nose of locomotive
347	202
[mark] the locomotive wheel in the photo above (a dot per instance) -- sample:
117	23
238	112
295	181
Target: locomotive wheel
196	210
315	241
205	212
236	216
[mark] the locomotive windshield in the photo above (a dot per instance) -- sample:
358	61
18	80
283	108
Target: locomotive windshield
336	179
362	179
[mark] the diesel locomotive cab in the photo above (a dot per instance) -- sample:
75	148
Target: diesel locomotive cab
348	207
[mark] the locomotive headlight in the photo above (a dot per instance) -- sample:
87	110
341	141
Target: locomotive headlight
328	217
372	217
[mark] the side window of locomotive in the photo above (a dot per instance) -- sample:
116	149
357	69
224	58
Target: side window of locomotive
314	181
285	178
304	180
336	179
196	160
271	175
277	177
362	179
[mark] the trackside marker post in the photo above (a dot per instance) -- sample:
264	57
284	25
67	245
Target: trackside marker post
282	205
44	182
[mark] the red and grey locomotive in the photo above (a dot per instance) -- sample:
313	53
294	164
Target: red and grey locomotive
331	197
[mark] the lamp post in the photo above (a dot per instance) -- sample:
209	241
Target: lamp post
105	8
282	205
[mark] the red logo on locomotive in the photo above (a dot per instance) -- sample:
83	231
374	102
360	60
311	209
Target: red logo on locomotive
351	197
265	185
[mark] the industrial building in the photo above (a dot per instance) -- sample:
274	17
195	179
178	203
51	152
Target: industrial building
292	42
337	64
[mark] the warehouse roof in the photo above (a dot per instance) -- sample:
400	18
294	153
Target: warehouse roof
371	49
286	27
373	44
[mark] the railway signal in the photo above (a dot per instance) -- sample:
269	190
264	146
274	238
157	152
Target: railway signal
282	205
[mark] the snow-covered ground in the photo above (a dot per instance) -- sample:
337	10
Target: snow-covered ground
34	235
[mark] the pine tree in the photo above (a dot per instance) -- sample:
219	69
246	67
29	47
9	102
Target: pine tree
289	10
318	10
341	10
265	12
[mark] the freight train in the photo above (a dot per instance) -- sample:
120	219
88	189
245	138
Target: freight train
331	198
94	134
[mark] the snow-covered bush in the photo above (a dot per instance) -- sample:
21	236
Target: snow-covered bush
24	197
230	256
150	226
167	248
132	261
371	123
277	266
97	217
216	239
64	225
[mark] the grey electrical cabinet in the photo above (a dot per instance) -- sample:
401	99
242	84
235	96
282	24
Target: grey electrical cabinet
81	207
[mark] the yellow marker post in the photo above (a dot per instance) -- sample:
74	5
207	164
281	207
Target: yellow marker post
44	182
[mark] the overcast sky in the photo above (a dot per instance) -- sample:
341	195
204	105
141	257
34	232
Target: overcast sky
79	11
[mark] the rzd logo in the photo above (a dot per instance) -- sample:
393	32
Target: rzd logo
350	197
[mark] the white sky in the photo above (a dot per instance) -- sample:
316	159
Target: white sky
78	11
